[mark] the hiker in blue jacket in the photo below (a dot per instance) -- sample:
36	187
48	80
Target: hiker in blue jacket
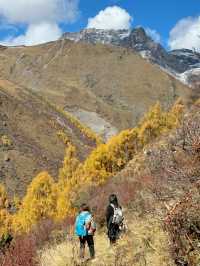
85	229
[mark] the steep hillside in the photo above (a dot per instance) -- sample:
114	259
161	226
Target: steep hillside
149	166
107	88
33	137
160	193
179	62
154	170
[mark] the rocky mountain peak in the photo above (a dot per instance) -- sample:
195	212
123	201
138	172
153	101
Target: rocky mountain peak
139	35
176	62
188	58
115	37
97	36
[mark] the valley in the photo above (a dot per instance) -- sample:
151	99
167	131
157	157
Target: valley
94	113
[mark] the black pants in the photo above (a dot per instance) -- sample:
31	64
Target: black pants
113	232
90	242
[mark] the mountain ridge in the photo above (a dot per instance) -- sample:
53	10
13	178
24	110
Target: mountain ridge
176	62
92	78
101	86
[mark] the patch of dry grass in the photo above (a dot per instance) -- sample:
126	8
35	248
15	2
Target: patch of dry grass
145	243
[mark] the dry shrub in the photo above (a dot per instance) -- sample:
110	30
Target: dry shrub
175	158
144	244
184	226
97	197
23	250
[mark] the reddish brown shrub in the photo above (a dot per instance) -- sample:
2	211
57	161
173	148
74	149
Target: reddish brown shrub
22	252
97	197
184	226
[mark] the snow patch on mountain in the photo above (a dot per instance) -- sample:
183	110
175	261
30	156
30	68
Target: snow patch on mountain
97	36
182	64
191	75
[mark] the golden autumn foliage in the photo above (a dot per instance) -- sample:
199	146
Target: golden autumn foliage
5	222
39	202
176	113
63	137
65	180
64	203
5	141
46	198
88	132
70	165
85	130
156	122
5	217
110	158
3	197
16	202
107	159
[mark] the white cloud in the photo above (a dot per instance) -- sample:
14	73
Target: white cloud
153	34
186	34
70	10
35	34
111	18
41	18
31	11
34	11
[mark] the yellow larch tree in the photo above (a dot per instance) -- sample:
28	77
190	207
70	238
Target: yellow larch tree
175	115
39	203
107	159
66	182
44	198
70	164
156	122
152	124
5	217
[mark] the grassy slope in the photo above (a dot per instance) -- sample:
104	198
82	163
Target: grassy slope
153	182
101	79
145	243
108	81
32	126
113	82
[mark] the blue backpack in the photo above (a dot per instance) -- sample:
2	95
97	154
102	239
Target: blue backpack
81	220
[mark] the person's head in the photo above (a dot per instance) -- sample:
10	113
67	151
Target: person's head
113	200
84	208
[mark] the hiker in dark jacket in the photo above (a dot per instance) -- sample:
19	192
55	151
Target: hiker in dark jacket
114	218
85	229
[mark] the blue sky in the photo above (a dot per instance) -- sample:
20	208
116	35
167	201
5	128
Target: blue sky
173	23
156	14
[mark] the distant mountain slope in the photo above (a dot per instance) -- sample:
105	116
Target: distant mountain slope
175	62
107	88
29	139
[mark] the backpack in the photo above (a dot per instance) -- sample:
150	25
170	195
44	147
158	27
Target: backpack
118	216
80	224
92	227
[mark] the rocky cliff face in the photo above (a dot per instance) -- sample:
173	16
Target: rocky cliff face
137	39
177	62
186	59
114	37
